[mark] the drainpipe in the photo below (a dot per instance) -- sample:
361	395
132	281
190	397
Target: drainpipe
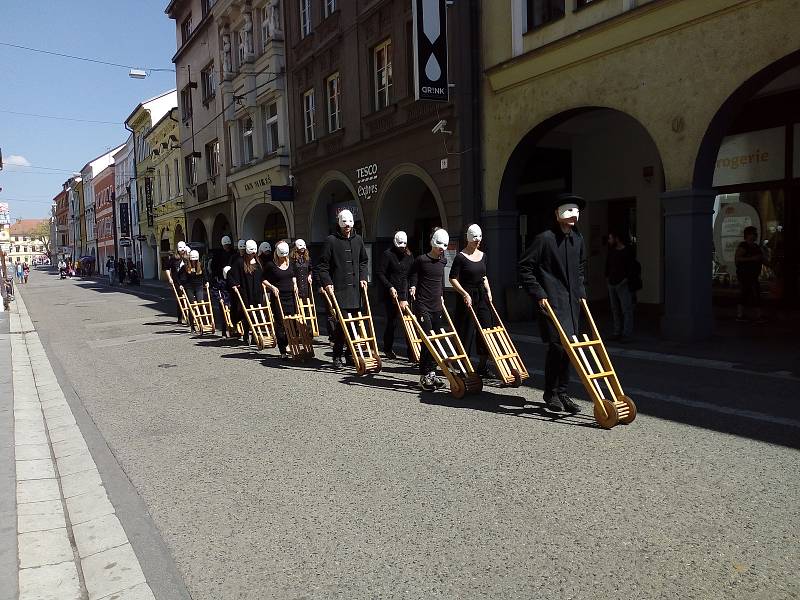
140	266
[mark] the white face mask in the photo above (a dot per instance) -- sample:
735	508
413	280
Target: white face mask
474	233
440	239
282	249
400	239
345	218
568	211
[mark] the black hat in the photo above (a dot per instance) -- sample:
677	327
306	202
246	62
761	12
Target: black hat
568	198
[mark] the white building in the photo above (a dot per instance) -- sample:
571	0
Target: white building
125	205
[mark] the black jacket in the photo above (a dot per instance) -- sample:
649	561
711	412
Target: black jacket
343	264
554	267
178	268
393	272
249	283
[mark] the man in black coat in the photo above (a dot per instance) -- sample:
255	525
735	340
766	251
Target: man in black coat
343	271
553	269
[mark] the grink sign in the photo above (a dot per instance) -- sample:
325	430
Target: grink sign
367	181
148	200
430	50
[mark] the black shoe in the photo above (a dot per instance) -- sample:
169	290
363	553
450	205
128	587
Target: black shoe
338	362
569	404
427	382
486	372
553	404
390	355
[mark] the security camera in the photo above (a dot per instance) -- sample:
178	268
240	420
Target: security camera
292	179
440	127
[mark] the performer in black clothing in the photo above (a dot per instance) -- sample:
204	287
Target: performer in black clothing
553	269
264	255
426	279
247	275
281	282
222	258
468	278
393	274
343	271
177	268
195	278
300	259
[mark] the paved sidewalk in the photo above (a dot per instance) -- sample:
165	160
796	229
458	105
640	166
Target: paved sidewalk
70	542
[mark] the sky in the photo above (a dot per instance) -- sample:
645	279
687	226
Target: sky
40	154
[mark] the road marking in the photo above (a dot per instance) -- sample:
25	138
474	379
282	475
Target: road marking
58	540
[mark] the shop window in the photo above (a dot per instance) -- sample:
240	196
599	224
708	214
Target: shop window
269	116
382	74
542	12
334	96
275	227
308	116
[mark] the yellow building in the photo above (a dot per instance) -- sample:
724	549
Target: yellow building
165	165
141	121
675	119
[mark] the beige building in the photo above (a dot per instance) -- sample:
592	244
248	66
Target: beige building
21	243
677	120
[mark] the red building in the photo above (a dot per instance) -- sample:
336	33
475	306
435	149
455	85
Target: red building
104	214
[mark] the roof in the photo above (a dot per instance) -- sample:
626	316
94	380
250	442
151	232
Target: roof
157	105
26	226
160	121
101	162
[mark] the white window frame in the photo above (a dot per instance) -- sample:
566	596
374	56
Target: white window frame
330	7
246	138
272	140
309	119
209	81
333	102
187	28
212	159
305	18
382	73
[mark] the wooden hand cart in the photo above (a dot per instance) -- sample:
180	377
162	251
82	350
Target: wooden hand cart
359	332
448	352
414	343
308	310
180	297
298	334
226	314
202	314
609	408
261	322
502	349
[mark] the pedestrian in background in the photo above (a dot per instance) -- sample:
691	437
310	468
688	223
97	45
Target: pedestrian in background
393	274
26	270
110	269
19	271
122	270
749	258
621	280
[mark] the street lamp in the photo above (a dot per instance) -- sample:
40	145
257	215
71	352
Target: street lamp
137	74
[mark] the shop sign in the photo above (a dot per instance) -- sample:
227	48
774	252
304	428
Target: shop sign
430	50
148	200
367	181
125	241
751	157
124	220
256	184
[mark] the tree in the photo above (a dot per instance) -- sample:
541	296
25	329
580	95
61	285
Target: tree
42	232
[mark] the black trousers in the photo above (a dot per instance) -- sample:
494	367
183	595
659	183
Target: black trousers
392	318
556	370
196	292
289	308
338	332
465	324
429	321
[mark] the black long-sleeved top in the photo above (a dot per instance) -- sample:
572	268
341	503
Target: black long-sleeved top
427	275
178	268
553	268
301	269
249	283
393	271
344	264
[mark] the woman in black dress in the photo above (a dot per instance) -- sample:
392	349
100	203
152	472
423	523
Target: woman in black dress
393	274
247	275
281	282
468	278
300	259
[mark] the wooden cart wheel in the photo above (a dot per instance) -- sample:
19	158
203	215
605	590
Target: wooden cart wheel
378	364
458	387
361	366
474	383
631	410
259	342
606	422
517	378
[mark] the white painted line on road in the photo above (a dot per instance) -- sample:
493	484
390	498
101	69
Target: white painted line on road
71	487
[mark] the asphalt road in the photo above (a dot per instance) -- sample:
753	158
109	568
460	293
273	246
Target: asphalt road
270	480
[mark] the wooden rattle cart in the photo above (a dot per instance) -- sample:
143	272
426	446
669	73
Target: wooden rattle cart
180	297
414	343
359	332
613	407
298	335
261	322
202	314
448	352
226	314
308	310
502	350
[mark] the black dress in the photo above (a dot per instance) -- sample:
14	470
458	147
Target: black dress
249	283
301	270
471	275
283	280
393	273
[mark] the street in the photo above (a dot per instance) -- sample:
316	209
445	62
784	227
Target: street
266	479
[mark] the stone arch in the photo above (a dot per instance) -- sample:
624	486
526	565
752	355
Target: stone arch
257	216
199	232
179	235
408	170
330	182
219	228
246	227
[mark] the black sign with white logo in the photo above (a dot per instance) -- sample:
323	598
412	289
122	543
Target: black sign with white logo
430	50
124	220
148	200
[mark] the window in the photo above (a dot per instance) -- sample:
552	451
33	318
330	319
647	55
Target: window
212	159
333	95
264	27
191	170
159	199
541	12
242	47
308	116
186	29
246	128
382	64
186	103
269	115
209	81
168	183
207	5
305	18
330	6
177	167
582	3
